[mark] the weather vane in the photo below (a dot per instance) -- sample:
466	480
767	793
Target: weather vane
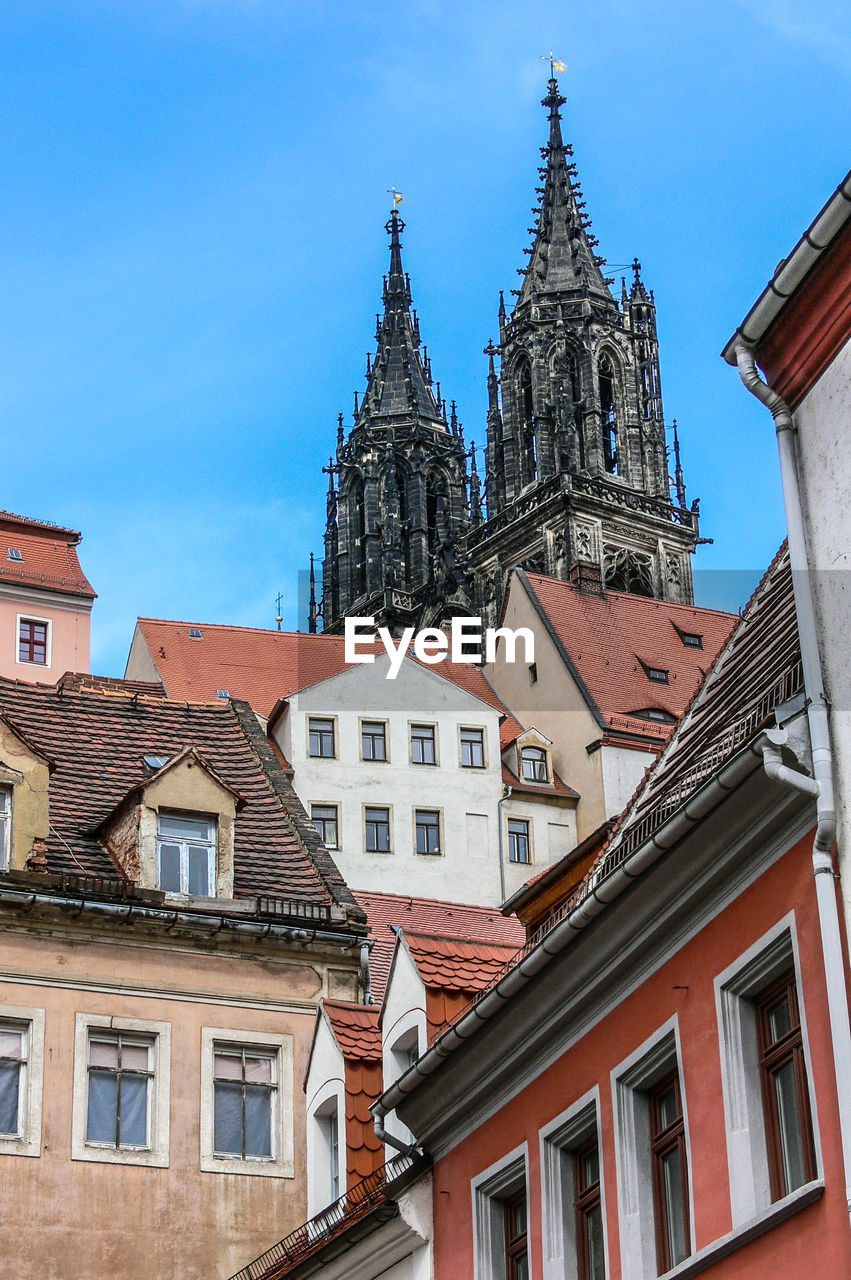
556	64
397	197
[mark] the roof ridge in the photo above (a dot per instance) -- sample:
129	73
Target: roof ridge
631	595
313	636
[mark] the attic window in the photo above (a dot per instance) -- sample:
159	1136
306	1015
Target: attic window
657	674
655	713
691	640
155	763
15	554
223	693
195	633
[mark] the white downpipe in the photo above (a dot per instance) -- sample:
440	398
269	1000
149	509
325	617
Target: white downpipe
828	910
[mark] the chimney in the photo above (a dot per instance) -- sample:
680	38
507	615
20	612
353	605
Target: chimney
586	575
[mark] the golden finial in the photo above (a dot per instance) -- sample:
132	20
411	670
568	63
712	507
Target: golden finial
556	64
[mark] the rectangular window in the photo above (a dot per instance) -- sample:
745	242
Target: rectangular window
32	641
373	738
788	1126
670	1173
5	827
377	829
516	1229
186	855
334	1154
534	764
119	1089
589	1212
325	818
13	1068
657	674
321	737
423	744
472	748
244	1087
427	823
518	840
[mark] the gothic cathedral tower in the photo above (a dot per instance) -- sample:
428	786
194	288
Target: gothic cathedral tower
577	481
398	507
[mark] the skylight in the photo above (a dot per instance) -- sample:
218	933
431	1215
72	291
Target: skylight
154	763
15	554
223	693
195	633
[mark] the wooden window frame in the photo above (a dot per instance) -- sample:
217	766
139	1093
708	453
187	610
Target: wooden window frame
28	645
588	1197
663	1141
516	1245
228	1049
772	1057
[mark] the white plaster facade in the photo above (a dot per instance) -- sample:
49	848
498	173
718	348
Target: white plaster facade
467	868
325	1090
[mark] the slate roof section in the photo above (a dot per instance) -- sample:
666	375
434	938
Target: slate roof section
386	912
609	641
97	741
48	556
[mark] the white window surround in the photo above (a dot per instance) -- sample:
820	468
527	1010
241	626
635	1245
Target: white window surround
489	1189
48	655
188	843
559	1139
631	1079
281	1164
155	1156
31	1021
407	1033
744	1115
5	827
330	1099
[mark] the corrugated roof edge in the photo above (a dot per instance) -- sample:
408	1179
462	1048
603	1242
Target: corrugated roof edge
794	269
308	837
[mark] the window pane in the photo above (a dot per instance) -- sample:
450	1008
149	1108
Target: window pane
789	1122
779	1020
11	1044
103	1053
227	1119
134	1111
228	1066
672	1176
258	1120
591	1168
668	1109
185	828
594	1243
199	871
258	1070
10	1087
170	868
103	1107
134	1057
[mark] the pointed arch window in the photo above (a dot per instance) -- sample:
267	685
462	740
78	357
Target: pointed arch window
528	436
357	524
436	499
606	375
403	498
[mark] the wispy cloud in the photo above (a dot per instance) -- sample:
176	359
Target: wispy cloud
824	28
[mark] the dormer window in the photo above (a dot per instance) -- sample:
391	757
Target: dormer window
5	826
186	855
657	674
533	764
15	554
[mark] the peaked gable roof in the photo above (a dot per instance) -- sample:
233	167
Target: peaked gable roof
48	556
355	1028
456	964
610	642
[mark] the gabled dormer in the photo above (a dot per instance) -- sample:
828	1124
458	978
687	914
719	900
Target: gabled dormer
24	798
174	831
532	758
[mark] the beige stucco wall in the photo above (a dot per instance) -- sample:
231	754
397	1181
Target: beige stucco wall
90	1220
28	777
70	633
824	422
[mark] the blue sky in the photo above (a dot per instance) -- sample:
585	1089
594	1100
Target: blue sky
192	249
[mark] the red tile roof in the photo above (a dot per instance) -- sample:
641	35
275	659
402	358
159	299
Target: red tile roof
97	741
262	667
556	788
48	556
386	912
355	1028
612	639
454	964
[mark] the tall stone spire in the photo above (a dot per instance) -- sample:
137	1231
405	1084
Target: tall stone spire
401	506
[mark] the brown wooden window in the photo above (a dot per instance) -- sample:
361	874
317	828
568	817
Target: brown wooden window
516	1247
670	1173
589	1212
32	641
785	1097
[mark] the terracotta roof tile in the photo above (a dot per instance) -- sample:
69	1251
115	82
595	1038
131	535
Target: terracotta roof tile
558	788
355	1027
48	556
455	965
388	911
612	639
97	740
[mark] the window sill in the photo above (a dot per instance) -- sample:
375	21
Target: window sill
145	1157
250	1168
16	1144
758	1226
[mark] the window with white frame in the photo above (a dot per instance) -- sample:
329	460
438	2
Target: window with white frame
772	1138
472	748
34	641
533	762
326	820
186	854
654	1184
5	827
327	1166
500	1220
572	1195
121	1091
21	1069
246	1102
